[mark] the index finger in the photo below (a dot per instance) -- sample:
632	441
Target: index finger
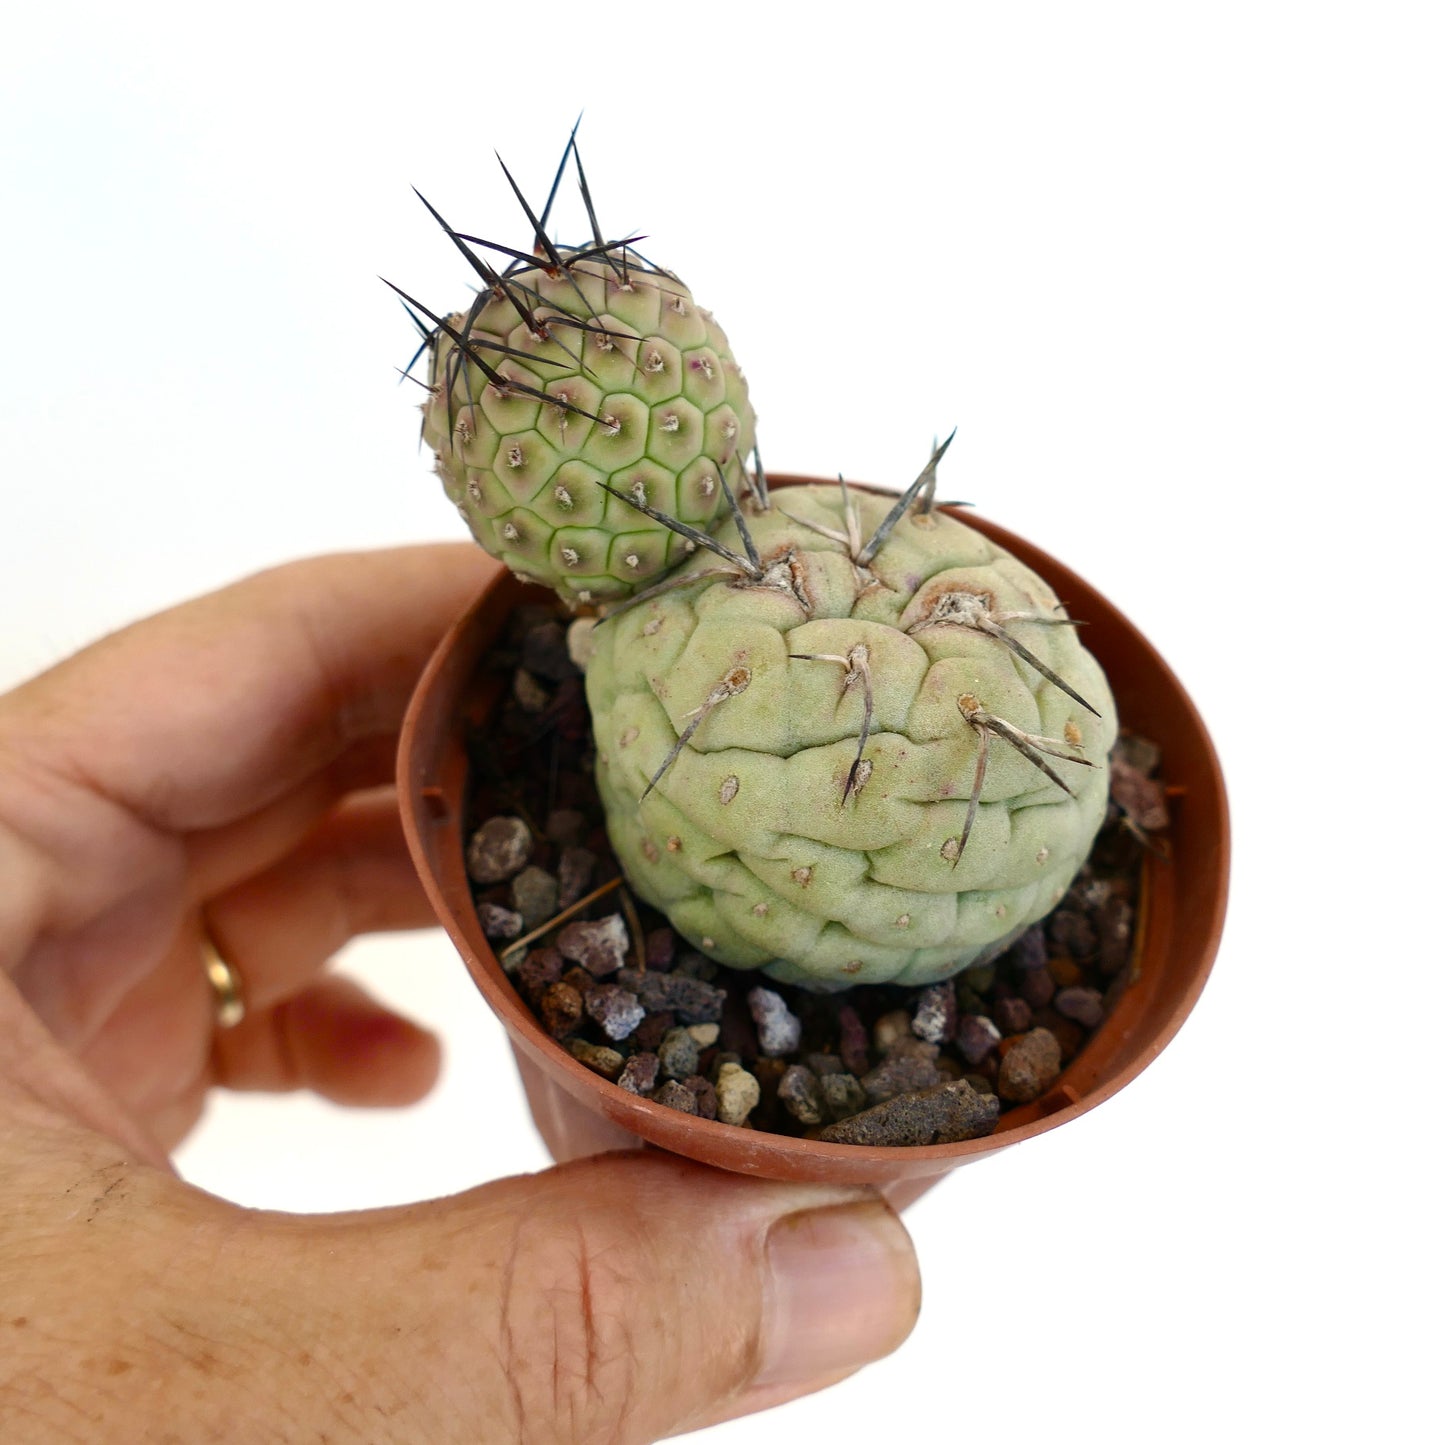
206	712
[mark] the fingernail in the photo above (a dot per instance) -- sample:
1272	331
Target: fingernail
844	1290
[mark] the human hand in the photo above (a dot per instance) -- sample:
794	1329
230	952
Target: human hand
230	761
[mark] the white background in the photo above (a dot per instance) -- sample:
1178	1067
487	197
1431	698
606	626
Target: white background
1176	273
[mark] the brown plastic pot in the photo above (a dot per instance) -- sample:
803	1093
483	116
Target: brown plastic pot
1180	919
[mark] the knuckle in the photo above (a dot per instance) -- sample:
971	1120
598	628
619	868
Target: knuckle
569	1345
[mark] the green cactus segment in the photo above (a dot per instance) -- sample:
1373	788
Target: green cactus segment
643	394
753	840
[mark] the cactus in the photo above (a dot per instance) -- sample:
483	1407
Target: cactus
580	376
835	745
840	737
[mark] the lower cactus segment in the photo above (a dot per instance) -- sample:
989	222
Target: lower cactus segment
846	761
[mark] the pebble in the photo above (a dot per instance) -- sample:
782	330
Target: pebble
565	826
705	1034
537	971
1115	926
600	947
852	1041
531	696
900	1075
801	1094
1012	1015
981	977
1141	797
977	1037
824	1064
1064	971
679	1054
498	922
1036	987
704	1093
597	1057
653	1029
1084	1005
534	896
693	964
499	848
944	1114
779	1029
935	1016
615	1009
561	1009
1031	951
843	1094
1030	1067
890	1027
738	1093
639	1074
692	1000
1072	930
660	949
574	874
677	1095
544	652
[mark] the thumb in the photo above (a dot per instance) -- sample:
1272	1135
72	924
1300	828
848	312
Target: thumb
624	1297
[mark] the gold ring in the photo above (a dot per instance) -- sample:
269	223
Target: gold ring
227	994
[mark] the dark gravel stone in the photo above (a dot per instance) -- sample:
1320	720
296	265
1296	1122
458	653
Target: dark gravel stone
574	874
652	1030
1031	951
1115	927
943	1114
852	1041
544	652
1084	1005
677	1095
561	1009
1030	1067
498	922
679	1053
1140	796
704	1093
600	947
541	968
779	1029
615	1009
579	978
977	1037
843	1095
565	826
1072	930
1012	1015
597	1057
639	1074
499	848
692	1000
824	1064
693	964
1036	987
534	896
900	1075
660	949
801	1095
935	1016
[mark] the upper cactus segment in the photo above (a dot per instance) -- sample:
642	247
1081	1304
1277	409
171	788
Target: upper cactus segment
849	749
577	377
